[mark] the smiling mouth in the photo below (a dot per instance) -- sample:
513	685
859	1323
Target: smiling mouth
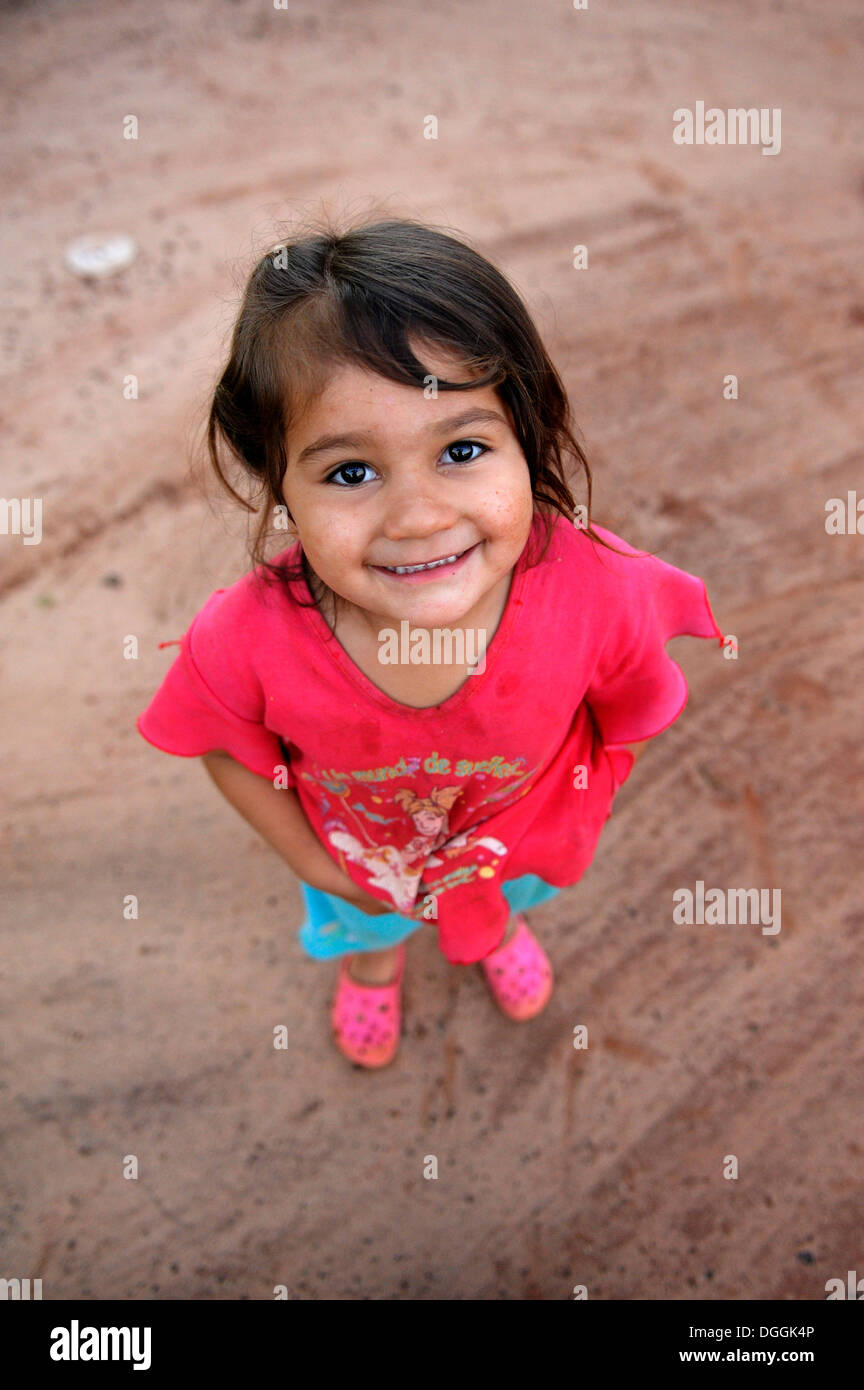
426	565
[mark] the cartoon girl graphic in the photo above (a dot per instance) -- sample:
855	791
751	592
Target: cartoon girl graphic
398	871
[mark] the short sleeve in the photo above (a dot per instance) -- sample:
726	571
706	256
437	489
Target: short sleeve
637	690
207	702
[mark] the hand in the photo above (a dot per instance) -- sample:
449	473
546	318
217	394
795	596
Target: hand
341	885
366	902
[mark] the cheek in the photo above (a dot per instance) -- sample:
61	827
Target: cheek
510	509
333	538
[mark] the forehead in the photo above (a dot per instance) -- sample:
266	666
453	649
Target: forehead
352	397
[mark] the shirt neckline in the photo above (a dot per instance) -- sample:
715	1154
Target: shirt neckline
469	686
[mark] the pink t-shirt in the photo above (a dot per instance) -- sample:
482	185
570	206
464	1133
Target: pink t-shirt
432	809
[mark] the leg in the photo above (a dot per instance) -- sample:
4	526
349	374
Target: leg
510	929
373	967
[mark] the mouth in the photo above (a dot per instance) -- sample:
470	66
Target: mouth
444	565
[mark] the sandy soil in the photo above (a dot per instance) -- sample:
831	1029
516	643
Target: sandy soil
154	1037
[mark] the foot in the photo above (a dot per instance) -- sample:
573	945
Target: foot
366	1019
518	973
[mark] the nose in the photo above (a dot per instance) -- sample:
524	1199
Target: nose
417	505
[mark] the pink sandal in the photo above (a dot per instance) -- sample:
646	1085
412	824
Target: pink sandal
519	974
366	1020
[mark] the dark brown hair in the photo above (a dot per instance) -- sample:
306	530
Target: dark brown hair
328	297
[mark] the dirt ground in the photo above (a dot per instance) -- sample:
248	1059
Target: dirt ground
557	1167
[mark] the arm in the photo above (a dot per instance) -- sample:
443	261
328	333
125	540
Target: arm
278	816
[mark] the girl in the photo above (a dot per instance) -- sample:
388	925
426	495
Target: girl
427	702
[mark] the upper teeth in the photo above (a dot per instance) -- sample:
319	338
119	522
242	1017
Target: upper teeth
410	569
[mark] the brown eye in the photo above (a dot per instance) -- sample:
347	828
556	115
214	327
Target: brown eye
347	468
459	450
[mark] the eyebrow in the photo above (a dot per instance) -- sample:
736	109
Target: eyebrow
476	416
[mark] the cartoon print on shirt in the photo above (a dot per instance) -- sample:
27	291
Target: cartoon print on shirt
429	814
398	871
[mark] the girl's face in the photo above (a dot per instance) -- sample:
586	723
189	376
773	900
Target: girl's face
428	822
380	475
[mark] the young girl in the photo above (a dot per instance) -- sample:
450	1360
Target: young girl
427	702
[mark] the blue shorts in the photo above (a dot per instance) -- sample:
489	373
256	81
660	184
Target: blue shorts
334	927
